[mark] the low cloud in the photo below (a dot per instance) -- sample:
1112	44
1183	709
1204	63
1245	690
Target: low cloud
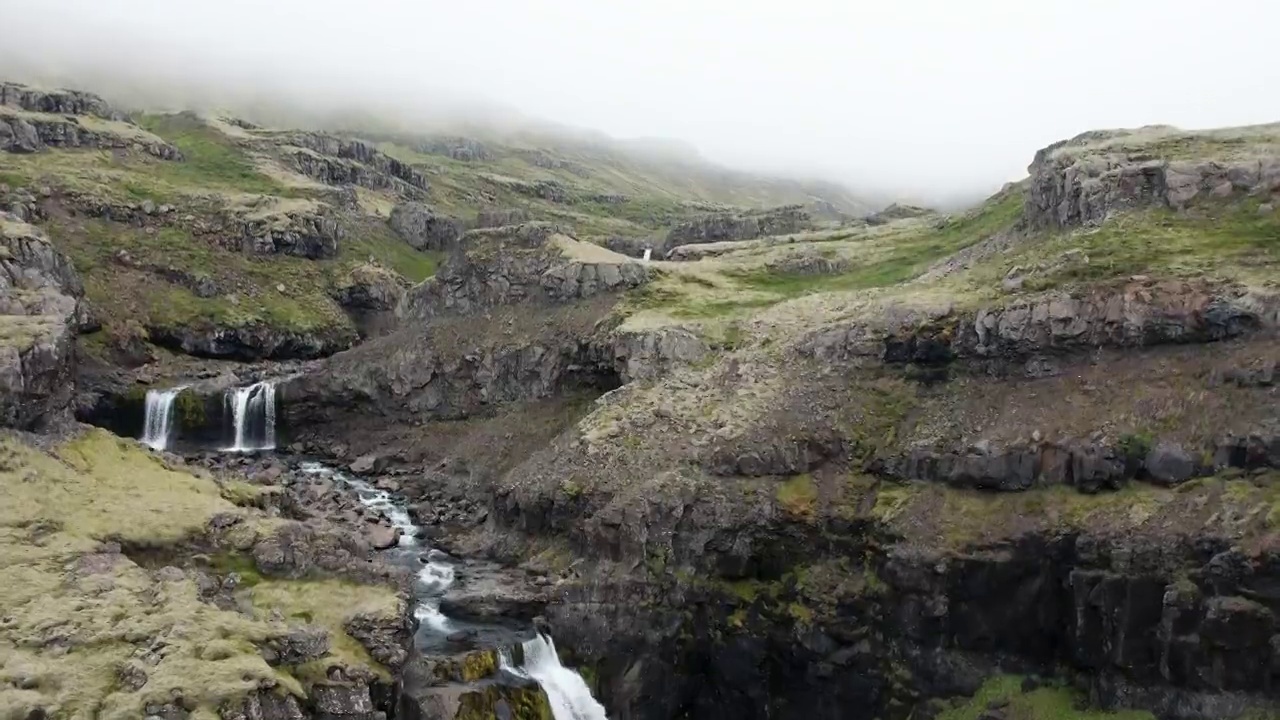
932	100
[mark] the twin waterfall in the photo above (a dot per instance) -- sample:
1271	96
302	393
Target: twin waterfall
249	423
251	411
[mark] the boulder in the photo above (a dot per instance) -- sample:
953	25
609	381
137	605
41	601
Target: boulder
382	537
387	638
1169	464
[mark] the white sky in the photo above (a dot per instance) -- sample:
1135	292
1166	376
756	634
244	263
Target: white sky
936	97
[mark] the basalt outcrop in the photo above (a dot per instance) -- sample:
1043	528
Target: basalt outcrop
727	226
25	132
424	228
41	311
1083	180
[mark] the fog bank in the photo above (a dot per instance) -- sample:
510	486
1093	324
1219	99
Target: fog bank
929	99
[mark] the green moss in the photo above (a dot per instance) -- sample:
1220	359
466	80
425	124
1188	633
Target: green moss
1045	703
190	407
907	256
797	495
522	703
1228	240
329	603
66	633
1135	447
242	565
800	613
244	494
479	665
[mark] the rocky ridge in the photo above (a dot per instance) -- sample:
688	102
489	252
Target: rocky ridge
892	497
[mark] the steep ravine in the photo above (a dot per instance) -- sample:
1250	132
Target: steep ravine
486	661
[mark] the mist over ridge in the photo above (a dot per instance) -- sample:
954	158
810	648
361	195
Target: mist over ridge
920	101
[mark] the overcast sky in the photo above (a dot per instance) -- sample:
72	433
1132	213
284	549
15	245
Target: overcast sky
939	97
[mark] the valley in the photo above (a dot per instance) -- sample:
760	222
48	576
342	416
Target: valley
367	424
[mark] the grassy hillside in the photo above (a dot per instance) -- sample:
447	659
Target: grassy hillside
90	631
183	247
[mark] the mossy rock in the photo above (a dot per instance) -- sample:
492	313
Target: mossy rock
191	409
470	667
505	701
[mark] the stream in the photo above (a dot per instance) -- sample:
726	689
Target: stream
253	412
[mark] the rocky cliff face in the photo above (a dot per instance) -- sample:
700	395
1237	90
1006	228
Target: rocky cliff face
334	160
33	132
1083	180
58	102
722	227
41	311
886	509
530	263
424	228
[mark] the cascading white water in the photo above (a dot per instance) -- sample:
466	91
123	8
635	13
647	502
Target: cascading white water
253	414
157	423
435	576
568	692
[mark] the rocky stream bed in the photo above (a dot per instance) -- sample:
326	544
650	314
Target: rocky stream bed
473	615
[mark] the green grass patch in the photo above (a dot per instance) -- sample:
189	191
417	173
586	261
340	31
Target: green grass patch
1222	240
211	158
898	257
797	495
375	240
156	289
1051	702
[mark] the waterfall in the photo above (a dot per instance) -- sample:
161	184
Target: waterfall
253	413
157	421
568	692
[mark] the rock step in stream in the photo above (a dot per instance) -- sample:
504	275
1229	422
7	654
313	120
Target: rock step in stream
252	409
567	692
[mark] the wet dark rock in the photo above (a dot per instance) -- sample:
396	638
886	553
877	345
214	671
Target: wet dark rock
491	593
252	342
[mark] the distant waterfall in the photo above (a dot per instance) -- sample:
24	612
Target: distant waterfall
568	692
157	422
253	415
